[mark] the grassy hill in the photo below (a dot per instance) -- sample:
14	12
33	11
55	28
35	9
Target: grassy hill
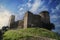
30	34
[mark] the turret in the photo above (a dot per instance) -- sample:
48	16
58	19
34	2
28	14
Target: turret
45	16
11	20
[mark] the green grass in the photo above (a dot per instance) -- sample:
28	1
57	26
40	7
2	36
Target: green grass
29	32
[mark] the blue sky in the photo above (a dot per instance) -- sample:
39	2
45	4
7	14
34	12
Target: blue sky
19	7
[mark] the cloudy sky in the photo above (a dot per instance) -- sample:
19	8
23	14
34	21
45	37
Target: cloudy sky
19	7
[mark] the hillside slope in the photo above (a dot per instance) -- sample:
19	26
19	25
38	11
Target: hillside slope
30	34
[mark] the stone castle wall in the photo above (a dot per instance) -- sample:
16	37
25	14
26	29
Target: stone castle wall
41	20
45	16
36	20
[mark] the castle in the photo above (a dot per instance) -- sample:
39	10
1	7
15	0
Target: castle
30	20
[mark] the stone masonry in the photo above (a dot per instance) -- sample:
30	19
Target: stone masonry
30	20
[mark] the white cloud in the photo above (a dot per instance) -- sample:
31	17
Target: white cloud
53	10
4	17
20	9
29	4
20	14
58	7
56	11
50	1
29	0
33	7
54	16
44	8
36	5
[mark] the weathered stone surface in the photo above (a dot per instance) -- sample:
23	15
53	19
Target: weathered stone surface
30	20
42	20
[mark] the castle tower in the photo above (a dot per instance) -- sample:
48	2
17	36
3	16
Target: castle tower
27	19
11	20
45	16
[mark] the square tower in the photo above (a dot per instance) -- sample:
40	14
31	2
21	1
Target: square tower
45	17
11	21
